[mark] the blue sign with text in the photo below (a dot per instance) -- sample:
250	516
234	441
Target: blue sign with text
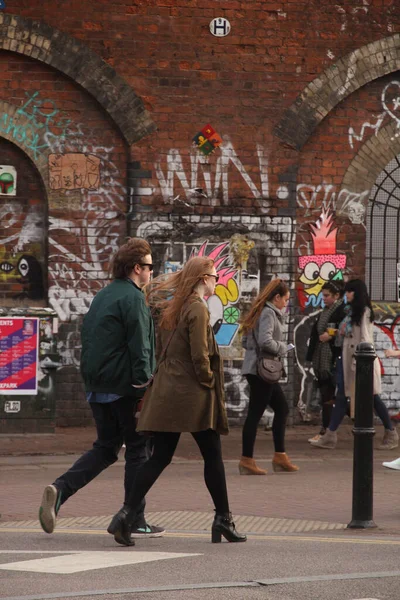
2	4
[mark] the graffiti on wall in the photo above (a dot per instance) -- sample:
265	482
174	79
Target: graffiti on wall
43	124
21	274
77	271
323	264
234	282
390	101
223	307
202	177
78	262
74	171
325	196
21	251
8	180
308	197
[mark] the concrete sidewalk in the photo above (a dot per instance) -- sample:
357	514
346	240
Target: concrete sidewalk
320	491
76	440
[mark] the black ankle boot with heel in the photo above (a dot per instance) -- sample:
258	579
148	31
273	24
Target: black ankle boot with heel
224	526
120	528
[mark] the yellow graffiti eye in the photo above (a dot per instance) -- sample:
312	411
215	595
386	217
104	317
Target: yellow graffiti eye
311	271
328	270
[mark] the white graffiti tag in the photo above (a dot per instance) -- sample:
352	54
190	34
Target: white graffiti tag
390	100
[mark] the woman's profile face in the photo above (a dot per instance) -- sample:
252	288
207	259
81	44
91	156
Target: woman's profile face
329	298
281	302
349	297
211	282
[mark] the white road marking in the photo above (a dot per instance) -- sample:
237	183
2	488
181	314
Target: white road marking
87	561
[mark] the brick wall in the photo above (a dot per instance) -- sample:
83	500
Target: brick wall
303	96
68	214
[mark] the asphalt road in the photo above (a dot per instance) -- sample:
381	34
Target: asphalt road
189	566
280	560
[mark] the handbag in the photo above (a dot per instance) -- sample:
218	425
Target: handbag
269	368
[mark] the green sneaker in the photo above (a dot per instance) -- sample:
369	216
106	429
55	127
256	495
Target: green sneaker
51	501
147	531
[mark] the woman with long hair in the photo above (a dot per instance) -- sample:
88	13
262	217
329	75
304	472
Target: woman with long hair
187	393
263	334
322	352
356	327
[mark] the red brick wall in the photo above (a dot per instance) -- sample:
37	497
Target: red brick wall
72	231
285	156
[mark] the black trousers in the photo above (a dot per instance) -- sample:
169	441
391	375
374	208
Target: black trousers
263	394
116	425
327	391
164	446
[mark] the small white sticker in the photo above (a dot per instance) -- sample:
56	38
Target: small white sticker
220	27
12	406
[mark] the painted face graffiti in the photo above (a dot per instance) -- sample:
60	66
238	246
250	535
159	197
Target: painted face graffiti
7	184
325	264
24	269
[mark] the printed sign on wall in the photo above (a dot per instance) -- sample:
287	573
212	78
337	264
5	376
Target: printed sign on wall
19	345
8	180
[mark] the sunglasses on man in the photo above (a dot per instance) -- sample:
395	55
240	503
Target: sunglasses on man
147	265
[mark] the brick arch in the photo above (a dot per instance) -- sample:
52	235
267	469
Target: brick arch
73	58
336	83
373	156
18	130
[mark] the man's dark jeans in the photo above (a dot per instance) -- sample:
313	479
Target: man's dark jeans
115	424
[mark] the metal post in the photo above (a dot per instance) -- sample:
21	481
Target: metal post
362	516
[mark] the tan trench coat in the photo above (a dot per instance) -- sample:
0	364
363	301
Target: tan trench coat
360	333
188	389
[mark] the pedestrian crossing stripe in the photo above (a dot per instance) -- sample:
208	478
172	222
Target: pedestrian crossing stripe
78	562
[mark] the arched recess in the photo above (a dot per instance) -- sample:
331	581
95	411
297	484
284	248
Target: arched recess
361	175
24	228
73	58
18	130
382	252
337	82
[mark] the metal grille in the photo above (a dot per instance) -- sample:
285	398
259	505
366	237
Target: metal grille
383	235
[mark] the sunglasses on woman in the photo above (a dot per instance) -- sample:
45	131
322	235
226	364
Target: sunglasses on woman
216	277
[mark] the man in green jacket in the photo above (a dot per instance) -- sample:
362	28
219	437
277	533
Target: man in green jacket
116	363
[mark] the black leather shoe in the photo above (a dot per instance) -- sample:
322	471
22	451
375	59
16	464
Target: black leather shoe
120	528
224	526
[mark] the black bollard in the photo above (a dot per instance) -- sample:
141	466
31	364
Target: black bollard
362	516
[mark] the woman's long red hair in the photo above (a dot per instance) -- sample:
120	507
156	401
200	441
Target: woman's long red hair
273	288
167	294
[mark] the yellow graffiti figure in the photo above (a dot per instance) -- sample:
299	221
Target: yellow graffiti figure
228	293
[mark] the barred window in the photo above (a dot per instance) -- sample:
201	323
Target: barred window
383	235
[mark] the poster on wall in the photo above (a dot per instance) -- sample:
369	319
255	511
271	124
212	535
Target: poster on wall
8	180
19	348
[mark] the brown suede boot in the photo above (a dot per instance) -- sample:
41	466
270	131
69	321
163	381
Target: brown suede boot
281	462
247	466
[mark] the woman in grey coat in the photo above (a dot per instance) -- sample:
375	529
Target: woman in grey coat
262	337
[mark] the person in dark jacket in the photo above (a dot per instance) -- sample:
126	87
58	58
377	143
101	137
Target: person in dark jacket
117	361
322	351
187	394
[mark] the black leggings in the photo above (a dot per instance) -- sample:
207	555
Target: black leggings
164	447
327	391
264	394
